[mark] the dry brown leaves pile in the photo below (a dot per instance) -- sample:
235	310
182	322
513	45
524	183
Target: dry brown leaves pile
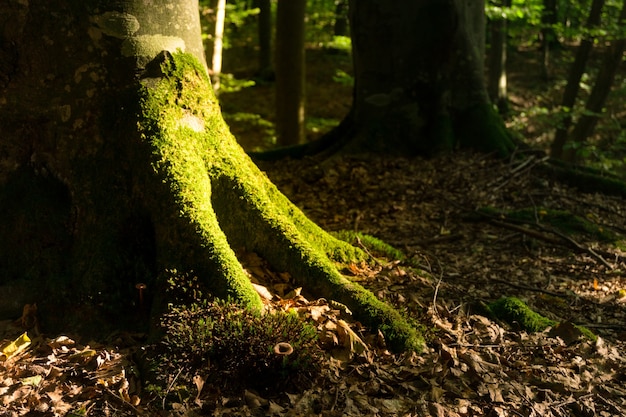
473	365
58	377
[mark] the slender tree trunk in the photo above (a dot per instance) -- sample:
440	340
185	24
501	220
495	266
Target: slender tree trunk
290	72
606	75
266	70
340	27
548	35
573	81
497	82
218	44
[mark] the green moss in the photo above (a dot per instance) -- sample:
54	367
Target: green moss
181	123
514	311
291	242
587	333
372	244
222	200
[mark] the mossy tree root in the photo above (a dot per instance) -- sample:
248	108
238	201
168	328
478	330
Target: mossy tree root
211	197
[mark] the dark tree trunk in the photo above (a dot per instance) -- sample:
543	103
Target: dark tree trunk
548	36
573	81
266	70
425	92
63	101
600	92
341	18
116	168
290	72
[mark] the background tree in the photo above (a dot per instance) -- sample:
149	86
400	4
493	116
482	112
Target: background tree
549	38
264	31
290	72
340	28
613	58
119	135
573	81
496	83
424	92
218	44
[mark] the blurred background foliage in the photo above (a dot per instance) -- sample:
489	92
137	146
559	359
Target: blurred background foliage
542	39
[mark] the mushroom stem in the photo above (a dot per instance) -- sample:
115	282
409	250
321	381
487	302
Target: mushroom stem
141	286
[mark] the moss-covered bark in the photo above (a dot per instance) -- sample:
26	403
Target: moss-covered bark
211	197
116	168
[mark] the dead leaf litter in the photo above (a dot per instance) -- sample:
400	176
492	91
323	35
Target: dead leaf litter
456	262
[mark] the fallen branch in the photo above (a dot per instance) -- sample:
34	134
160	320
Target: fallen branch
546	238
523	167
529	288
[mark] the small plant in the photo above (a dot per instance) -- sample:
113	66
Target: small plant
230	84
235	347
343	78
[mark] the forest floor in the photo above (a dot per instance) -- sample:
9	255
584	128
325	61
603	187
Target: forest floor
458	259
474	365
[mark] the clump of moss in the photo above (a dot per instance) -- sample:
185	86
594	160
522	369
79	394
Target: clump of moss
236	348
514	311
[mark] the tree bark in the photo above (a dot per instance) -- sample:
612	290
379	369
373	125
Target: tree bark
218	44
573	81
266	70
593	108
425	92
497	82
548	35
116	131
290	72
340	28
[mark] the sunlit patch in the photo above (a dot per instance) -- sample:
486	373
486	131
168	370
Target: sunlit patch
192	121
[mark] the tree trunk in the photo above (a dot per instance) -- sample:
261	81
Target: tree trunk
600	92
266	71
116	132
340	28
497	82
573	81
548	35
425	92
218	44
290	72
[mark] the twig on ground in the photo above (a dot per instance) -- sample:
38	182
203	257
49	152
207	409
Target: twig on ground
542	236
577	245
169	387
358	241
529	288
523	167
